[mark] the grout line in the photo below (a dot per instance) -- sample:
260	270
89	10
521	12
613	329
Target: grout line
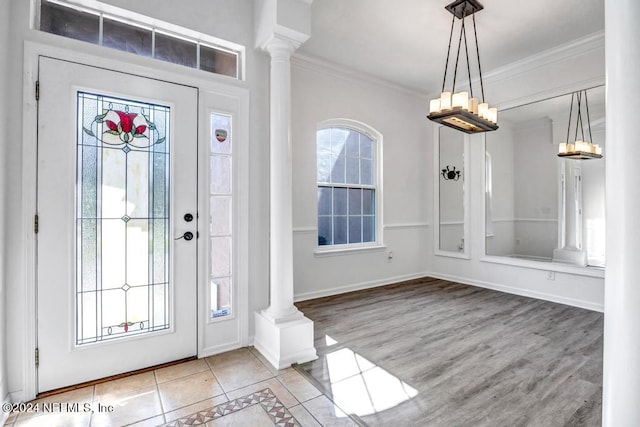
111	378
159	395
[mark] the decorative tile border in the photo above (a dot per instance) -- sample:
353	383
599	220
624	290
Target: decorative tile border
280	415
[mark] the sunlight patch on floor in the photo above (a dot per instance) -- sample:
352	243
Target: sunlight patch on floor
362	387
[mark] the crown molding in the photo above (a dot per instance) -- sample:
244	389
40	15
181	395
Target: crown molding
312	63
554	55
560	53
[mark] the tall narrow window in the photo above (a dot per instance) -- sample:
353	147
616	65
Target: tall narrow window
221	216
122	216
347	187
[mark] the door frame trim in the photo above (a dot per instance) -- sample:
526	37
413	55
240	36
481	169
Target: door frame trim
144	67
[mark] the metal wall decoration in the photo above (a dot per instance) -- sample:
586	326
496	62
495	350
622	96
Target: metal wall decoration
450	173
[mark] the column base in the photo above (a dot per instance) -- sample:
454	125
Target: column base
570	256
284	343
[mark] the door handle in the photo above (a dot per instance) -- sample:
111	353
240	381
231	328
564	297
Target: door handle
186	236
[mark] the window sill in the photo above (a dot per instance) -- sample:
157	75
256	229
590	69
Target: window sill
588	271
333	251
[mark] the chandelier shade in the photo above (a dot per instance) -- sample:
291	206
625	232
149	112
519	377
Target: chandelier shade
462	110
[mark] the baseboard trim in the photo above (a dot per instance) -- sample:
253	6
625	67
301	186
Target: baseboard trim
357	287
16	396
4	415
217	349
588	305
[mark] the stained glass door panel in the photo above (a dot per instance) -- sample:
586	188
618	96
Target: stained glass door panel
122	199
116	285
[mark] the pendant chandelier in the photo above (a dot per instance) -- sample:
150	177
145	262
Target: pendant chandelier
461	110
580	148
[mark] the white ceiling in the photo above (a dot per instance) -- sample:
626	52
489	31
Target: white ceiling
405	41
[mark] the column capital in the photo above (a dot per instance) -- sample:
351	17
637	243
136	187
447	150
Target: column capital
278	46
284	20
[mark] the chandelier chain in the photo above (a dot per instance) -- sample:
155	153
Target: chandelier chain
570	114
586	103
475	34
446	64
466	49
455	70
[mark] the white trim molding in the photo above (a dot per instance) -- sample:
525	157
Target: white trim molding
358	286
588	305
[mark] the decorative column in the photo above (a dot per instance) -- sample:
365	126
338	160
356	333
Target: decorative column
570	248
621	382
283	335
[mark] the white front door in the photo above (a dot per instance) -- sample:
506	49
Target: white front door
117	181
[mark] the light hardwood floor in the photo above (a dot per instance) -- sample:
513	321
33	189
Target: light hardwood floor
435	353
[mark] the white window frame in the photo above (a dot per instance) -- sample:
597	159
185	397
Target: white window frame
377	139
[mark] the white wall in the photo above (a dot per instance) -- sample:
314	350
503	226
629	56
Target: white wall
232	21
321	92
4	142
561	70
451	192
535	189
500	147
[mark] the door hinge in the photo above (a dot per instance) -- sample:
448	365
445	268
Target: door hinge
36	224
37	90
37	357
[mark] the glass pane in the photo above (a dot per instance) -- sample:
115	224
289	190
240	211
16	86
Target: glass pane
339	230
220	256
220	174
220	297
122	196
366	147
323	141
175	50
220	215
218	61
368	202
353	170
325	230
366	172
339	201
324	200
324	167
338	170
220	134
368	228
121	36
112	245
338	139
353	147
355	201
68	22
355	229
137	252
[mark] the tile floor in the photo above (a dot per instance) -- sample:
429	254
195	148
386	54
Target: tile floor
238	388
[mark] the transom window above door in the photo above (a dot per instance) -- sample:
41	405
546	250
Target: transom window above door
348	185
124	30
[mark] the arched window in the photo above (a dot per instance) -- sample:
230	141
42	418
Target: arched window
348	184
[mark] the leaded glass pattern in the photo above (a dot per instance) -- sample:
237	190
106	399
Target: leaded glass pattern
122	217
346	177
220	216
